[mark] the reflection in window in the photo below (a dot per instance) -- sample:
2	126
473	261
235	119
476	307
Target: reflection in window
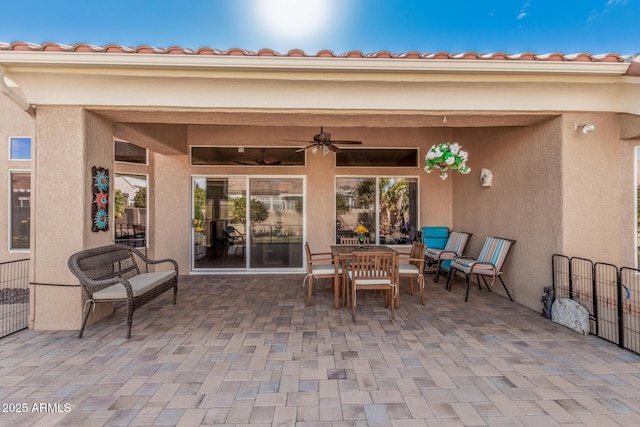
387	207
235	156
130	153
377	157
20	148
276	226
20	209
130	209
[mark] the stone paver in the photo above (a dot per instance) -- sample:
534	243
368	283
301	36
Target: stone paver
245	350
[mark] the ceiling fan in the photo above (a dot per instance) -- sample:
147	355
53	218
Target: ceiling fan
323	141
260	162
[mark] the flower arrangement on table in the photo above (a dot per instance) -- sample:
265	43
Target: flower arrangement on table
360	231
199	232
445	156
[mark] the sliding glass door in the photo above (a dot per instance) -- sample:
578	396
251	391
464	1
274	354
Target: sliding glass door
247	223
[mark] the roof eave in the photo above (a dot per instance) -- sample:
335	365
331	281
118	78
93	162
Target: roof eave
322	64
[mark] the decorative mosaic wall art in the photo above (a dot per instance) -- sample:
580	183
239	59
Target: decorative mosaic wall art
100	204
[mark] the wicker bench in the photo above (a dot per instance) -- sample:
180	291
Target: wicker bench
119	273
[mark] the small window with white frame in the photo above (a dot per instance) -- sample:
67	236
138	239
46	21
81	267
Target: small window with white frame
20	148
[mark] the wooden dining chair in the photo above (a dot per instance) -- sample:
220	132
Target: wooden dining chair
374	271
413	268
319	266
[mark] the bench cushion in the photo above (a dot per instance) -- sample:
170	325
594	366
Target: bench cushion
140	284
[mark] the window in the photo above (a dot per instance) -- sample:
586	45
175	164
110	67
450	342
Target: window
20	210
243	156
130	209
386	206
377	157
130	153
20	148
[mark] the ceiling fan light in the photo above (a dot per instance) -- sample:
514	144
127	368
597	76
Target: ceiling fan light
325	150
314	149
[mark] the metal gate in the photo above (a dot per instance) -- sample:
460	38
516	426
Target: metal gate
610	295
14	296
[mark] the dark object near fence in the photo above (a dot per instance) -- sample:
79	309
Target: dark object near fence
121	273
547	301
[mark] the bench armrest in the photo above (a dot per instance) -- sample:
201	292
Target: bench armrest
148	260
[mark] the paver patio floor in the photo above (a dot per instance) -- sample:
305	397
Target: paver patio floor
245	350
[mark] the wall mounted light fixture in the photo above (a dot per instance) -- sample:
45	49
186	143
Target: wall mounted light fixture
585	128
486	177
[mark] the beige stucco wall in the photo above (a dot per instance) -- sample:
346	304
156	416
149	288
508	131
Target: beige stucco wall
524	203
69	141
14	122
593	197
173	171
171	208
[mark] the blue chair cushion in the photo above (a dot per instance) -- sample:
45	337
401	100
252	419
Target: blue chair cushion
435	237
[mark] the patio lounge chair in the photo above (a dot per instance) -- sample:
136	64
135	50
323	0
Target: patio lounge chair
319	266
453	249
489	263
413	268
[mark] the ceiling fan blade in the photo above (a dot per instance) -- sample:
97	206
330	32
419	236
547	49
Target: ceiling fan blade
346	142
305	148
297	140
242	163
333	148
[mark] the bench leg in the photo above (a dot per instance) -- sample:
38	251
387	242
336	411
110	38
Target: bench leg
129	318
175	294
87	309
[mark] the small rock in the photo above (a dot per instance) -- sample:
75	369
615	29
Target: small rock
571	314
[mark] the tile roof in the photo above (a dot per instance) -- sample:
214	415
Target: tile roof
501	56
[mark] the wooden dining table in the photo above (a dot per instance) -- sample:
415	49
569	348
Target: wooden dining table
340	254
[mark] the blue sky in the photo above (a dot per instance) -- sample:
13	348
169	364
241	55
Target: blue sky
512	26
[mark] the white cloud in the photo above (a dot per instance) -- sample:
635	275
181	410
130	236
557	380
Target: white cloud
595	14
524	12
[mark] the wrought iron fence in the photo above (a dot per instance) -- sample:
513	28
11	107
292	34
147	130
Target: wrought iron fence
14	296
610	294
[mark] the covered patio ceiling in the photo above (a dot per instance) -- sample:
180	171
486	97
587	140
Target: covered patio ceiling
395	118
162	130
